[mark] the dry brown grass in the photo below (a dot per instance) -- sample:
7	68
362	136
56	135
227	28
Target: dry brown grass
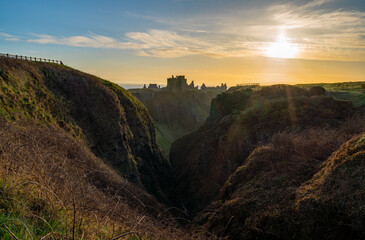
87	196
115	125
258	201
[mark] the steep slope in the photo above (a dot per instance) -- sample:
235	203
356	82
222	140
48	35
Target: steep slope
240	121
175	114
259	199
53	187
332	203
114	125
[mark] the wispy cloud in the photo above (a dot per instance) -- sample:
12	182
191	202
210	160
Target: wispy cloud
9	37
315	3
321	33
92	41
154	43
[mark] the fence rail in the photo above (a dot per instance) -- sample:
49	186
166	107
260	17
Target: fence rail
247	84
35	59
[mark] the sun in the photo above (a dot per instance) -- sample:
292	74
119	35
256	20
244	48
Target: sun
282	48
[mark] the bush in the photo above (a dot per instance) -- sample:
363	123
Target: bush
317	91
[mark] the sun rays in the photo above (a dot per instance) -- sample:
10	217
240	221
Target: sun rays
282	48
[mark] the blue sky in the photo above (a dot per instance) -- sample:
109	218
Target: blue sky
208	40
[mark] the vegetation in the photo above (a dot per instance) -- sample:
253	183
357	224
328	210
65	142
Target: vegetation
175	114
24	96
52	185
261	201
352	91
25	214
78	155
240	121
335	195
60	129
114	124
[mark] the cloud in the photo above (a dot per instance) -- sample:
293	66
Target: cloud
319	31
9	37
315	3
154	43
324	33
91	41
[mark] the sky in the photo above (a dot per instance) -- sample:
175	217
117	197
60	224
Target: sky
210	41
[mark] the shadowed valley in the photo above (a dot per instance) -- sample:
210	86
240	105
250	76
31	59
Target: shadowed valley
81	158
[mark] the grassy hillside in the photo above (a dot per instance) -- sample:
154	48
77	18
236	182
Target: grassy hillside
79	159
114	124
260	200
335	195
53	186
77	154
239	122
352	91
175	114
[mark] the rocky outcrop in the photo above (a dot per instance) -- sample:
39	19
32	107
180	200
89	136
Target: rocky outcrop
293	188
239	122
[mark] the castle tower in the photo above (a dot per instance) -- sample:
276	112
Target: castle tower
177	84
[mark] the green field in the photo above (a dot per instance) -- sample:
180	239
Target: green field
352	91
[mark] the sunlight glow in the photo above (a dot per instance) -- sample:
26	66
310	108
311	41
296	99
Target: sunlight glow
282	48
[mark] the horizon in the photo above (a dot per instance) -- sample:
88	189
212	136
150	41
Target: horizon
235	42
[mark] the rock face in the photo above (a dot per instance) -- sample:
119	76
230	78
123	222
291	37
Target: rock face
239	122
114	124
275	193
175	113
294	188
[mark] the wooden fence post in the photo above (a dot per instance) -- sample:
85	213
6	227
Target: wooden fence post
21	57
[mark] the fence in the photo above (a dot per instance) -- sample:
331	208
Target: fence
35	59
248	84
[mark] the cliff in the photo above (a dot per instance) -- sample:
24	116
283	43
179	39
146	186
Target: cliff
239	122
113	124
175	113
299	186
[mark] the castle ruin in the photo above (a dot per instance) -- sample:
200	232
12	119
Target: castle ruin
179	84
222	87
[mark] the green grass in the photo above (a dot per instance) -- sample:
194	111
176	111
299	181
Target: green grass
166	134
352	91
26	215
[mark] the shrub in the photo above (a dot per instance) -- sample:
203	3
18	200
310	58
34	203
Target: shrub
317	91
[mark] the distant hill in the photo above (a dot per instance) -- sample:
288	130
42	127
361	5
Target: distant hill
352	91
